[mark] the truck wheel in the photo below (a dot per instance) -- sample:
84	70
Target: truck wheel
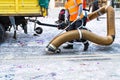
2	33
39	30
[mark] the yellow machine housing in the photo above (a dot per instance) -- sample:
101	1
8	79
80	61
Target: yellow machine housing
21	8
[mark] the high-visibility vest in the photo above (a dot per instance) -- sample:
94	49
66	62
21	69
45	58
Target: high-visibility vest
72	6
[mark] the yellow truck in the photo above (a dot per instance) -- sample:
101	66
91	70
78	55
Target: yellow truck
23	7
13	13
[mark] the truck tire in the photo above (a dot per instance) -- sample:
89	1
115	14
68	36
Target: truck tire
2	33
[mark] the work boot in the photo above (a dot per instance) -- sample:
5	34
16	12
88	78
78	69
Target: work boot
98	19
86	45
69	46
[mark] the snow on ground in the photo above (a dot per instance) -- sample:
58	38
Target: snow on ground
25	58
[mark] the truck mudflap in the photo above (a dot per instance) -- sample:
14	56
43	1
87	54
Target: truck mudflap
2	33
24	7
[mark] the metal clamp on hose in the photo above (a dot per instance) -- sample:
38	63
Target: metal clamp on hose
50	48
80	33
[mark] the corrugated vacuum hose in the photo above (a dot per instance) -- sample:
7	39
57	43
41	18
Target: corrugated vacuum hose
54	44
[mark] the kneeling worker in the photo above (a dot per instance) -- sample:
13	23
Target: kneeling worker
73	9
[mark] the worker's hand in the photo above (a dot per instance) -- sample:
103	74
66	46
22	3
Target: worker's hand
62	25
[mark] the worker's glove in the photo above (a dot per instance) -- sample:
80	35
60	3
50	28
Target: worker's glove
62	25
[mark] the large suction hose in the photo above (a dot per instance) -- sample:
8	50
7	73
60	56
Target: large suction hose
84	34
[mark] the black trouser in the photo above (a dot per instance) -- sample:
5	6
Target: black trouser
77	24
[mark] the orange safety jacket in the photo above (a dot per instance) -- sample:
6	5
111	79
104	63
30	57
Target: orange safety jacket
73	6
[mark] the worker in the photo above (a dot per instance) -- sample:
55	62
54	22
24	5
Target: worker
74	10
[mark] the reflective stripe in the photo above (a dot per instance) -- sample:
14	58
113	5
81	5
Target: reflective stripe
73	13
71	7
75	2
74	5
